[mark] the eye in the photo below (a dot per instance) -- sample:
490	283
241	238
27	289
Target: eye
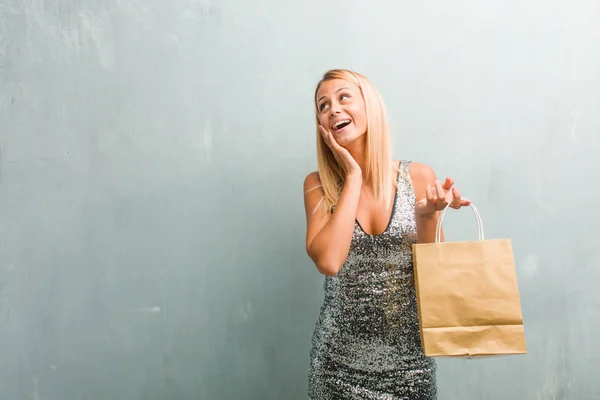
322	106
345	95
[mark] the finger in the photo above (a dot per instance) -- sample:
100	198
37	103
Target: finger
456	198
439	190
434	196
459	201
324	135
441	195
332	142
448	183
429	194
333	145
341	154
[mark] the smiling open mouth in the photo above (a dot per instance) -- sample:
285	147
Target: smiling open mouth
341	124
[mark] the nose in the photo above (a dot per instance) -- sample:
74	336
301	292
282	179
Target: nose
335	109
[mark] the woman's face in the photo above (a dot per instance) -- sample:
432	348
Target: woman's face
341	110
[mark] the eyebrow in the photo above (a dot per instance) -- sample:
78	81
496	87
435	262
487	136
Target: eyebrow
335	91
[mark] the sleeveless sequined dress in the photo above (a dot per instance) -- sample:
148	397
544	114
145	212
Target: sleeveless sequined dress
366	343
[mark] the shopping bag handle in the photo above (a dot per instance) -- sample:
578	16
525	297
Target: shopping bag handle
438	229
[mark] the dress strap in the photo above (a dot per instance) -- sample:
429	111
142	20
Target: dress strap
405	186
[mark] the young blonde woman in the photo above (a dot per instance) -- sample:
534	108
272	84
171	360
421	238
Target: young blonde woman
364	211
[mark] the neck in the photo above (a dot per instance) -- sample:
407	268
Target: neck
357	150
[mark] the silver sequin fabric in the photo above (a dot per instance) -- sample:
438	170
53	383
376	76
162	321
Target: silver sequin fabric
366	343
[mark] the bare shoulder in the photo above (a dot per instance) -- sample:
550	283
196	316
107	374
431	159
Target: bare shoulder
421	175
311	181
313	193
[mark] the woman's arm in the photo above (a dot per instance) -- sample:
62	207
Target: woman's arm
328	235
423	176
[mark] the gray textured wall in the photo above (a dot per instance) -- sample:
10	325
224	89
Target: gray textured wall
151	165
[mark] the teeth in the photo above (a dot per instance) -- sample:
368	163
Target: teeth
337	124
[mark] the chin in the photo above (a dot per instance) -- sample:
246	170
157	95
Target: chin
348	138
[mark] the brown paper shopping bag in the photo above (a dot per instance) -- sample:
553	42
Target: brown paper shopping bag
468	297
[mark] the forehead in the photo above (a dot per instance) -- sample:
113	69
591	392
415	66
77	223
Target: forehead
333	85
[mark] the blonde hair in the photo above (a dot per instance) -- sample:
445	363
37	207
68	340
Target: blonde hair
378	151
